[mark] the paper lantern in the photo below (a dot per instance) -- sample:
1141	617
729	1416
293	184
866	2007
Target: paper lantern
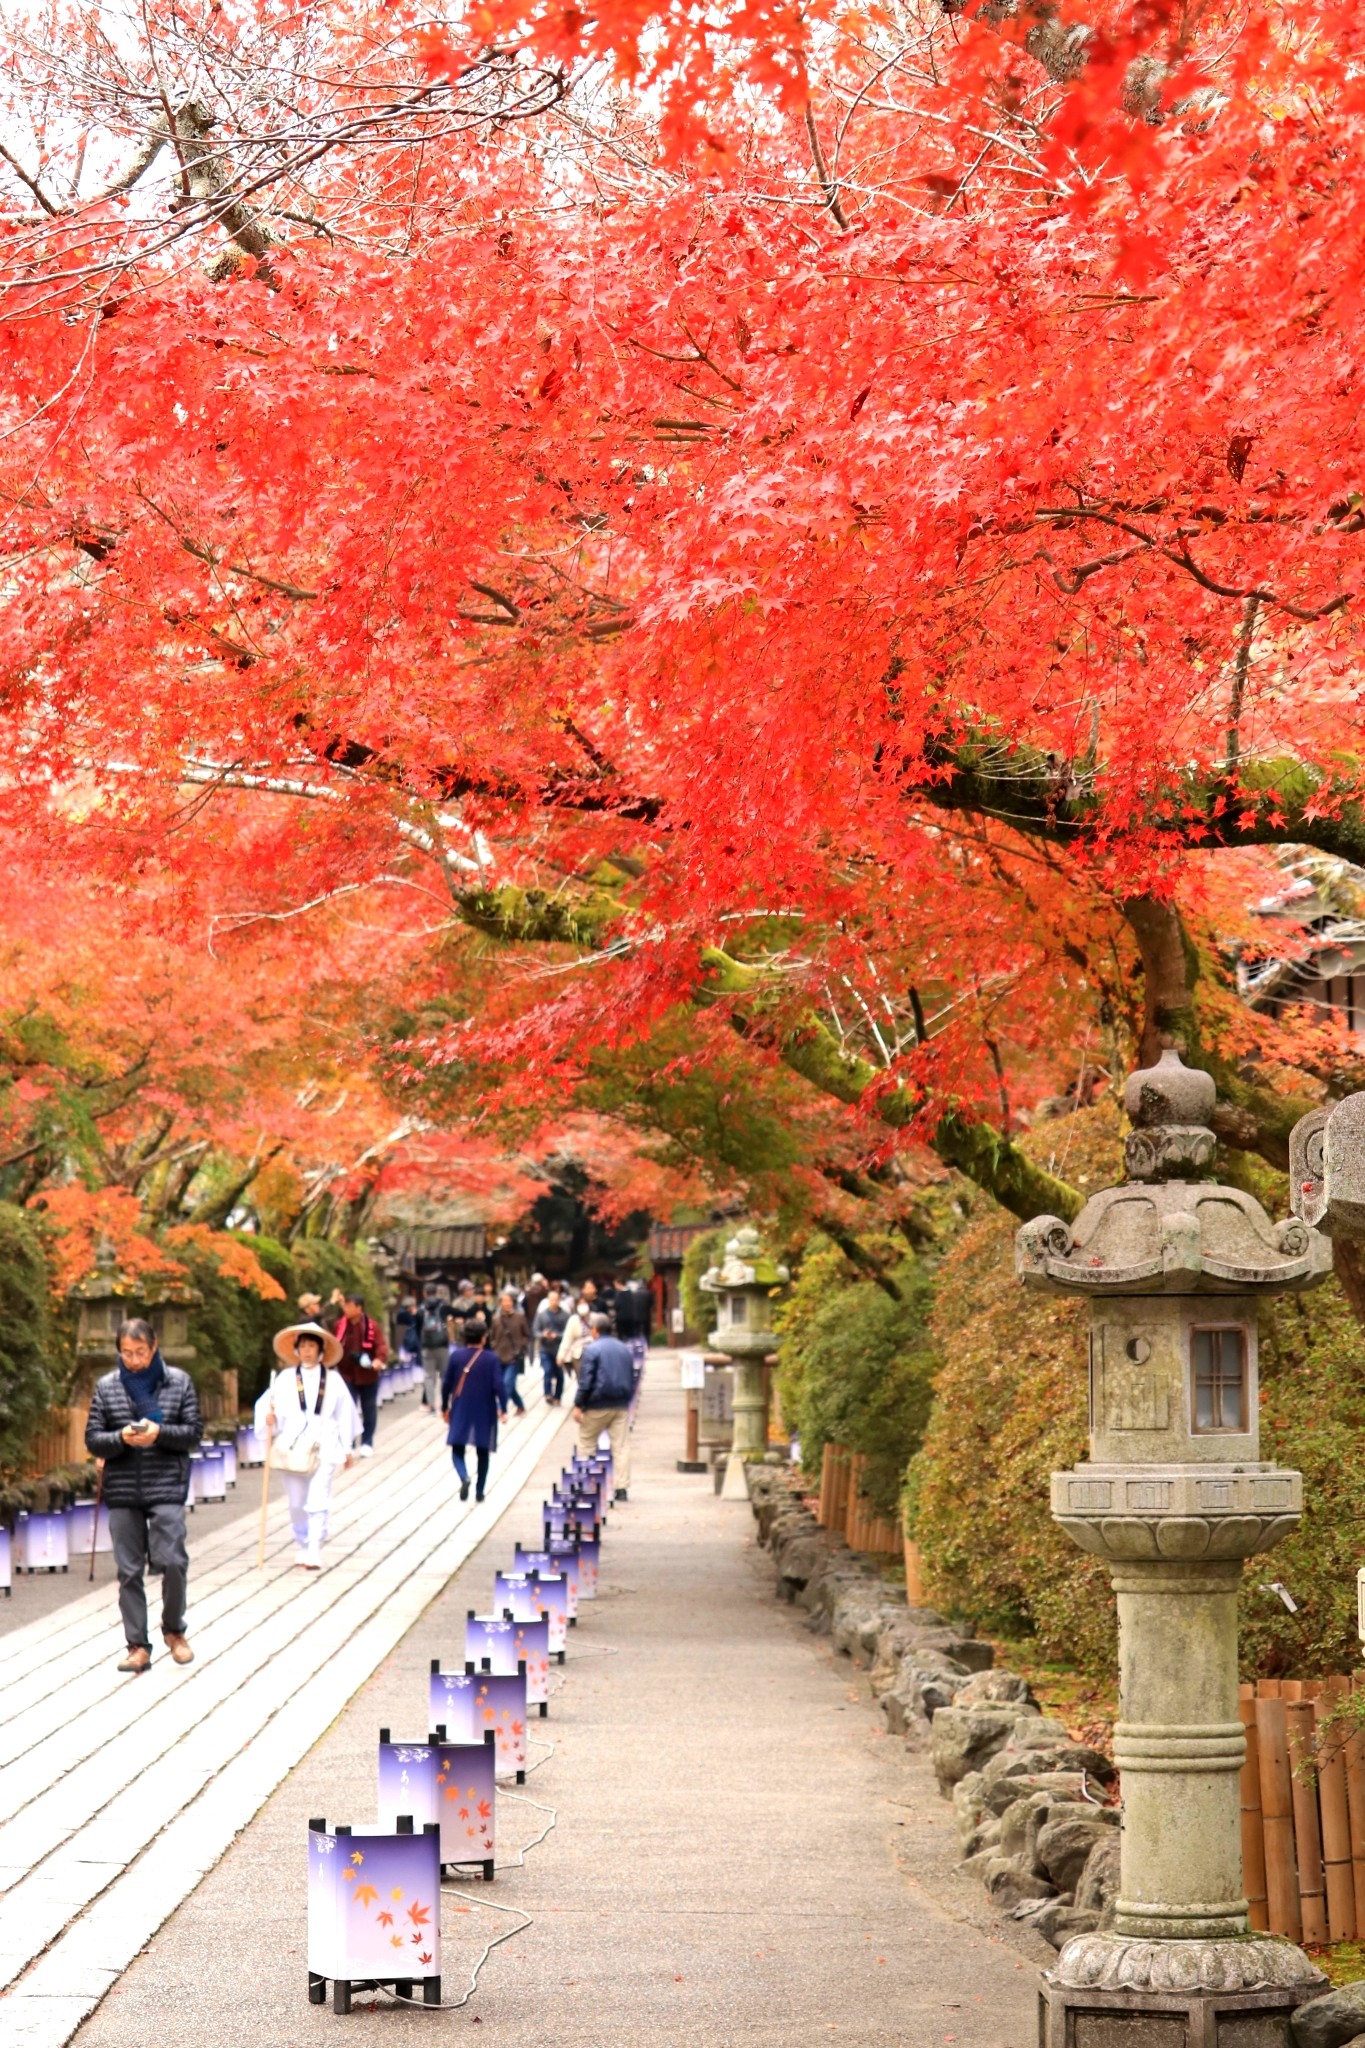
562	1526
556	1557
589	1558
505	1643
467	1788
80	1521
449	1782
229	1451
41	1543
468	1705
6	1563
250	1447
212	1474
374	1911
532	1598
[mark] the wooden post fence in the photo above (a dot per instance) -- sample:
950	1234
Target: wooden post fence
1303	1808
842	1508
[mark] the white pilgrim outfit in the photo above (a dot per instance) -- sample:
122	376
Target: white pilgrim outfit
292	1398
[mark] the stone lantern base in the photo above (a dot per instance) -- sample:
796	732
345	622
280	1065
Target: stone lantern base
1111	1991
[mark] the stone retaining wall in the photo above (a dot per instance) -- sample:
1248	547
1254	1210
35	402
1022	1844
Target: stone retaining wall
1032	1804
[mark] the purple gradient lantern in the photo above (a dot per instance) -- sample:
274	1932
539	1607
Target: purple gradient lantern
212	1474
532	1598
506	1642
250	1447
559	1557
374	1911
467	1790
468	1705
6	1563
229	1451
407	1782
81	1521
41	1543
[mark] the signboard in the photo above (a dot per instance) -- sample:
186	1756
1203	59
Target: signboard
692	1368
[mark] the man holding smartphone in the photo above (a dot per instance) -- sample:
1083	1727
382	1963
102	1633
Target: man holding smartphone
144	1422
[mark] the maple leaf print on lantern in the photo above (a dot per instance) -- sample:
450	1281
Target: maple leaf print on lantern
469	1803
346	1945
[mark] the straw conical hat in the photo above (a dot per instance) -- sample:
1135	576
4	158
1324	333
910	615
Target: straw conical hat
287	1343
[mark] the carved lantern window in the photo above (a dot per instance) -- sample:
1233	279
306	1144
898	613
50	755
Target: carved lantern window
739	1308
1218	1359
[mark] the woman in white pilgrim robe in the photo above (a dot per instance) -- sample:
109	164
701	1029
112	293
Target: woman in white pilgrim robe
307	1404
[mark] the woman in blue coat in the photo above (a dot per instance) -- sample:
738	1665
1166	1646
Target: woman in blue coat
471	1402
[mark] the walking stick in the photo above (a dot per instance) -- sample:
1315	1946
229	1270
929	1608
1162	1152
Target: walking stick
265	1492
95	1524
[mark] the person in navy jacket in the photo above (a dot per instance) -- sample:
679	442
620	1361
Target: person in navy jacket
472	1399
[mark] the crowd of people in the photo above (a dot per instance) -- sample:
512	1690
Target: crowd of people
320	1410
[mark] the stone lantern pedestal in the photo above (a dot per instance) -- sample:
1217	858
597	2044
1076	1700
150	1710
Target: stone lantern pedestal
743	1284
1175	1496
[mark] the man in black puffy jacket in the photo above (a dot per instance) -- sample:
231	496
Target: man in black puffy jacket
606	1382
144	1422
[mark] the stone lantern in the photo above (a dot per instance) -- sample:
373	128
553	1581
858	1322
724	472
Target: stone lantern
103	1299
168	1311
1175	1497
743	1285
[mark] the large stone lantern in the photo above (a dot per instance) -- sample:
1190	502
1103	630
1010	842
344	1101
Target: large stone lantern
743	1285
1175	1497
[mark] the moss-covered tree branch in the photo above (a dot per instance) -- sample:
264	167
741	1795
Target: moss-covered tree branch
975	1148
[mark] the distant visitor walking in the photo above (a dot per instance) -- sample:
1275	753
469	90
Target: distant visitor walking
550	1323
472	1400
144	1422
510	1337
364	1351
606	1381
314	1422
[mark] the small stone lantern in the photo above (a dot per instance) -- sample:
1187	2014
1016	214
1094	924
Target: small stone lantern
743	1284
1175	1497
103	1299
168	1311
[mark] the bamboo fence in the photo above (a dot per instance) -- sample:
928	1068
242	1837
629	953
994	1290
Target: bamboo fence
843	1509
1303	1807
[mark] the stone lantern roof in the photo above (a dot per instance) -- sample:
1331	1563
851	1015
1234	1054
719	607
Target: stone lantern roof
746	1264
1164	1230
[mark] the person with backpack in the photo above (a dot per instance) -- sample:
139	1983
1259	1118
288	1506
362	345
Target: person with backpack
144	1422
471	1402
309	1412
433	1336
364	1353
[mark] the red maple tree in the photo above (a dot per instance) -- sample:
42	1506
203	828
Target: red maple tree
851	520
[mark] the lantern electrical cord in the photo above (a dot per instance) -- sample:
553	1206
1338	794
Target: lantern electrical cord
524	1919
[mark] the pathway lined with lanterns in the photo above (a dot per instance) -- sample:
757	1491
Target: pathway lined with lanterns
117	1794
734	1853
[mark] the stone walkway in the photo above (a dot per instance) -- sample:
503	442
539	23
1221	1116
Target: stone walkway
735	1856
118	1794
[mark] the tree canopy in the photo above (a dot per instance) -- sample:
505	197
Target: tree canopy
844	522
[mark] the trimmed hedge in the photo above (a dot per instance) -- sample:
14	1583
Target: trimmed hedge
27	1336
857	1367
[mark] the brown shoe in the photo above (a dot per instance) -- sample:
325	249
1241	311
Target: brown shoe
137	1660
180	1650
